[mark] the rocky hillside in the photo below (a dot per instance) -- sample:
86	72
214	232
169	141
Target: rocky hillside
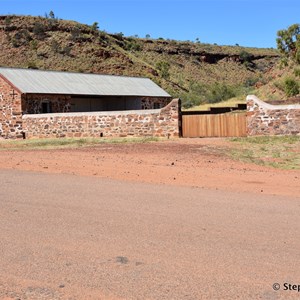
194	71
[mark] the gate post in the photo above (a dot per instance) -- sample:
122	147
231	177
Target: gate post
179	118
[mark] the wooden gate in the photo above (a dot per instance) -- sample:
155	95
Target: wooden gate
218	125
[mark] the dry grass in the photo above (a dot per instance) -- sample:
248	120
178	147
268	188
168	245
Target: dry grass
278	151
59	143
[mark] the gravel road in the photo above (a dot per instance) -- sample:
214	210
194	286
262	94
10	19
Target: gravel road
81	237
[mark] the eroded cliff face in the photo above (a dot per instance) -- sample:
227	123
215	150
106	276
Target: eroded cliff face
209	53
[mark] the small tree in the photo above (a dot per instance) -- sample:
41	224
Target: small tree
147	36
51	15
95	26
288	42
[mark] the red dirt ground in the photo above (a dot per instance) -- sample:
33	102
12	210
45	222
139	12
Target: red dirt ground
185	162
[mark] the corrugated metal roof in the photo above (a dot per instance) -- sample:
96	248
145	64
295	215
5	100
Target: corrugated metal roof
51	82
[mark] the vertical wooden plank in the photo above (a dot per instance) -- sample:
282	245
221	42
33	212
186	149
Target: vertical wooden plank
184	126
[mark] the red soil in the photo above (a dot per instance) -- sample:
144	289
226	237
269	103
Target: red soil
186	162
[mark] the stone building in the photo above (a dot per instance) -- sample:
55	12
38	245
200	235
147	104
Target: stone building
36	103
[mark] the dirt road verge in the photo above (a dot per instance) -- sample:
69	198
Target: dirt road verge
182	162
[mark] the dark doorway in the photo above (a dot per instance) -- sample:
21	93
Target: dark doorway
46	107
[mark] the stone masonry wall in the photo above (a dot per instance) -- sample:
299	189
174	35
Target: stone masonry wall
149	102
10	111
32	104
155	122
267	119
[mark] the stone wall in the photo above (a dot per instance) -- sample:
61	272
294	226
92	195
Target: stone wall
267	119
32	104
10	111
154	122
150	102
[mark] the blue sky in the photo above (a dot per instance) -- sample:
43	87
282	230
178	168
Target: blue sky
225	22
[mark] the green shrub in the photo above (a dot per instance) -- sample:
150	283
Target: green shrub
245	56
195	96
15	43
21	38
55	47
191	99
7	20
200	94
278	85
52	24
66	50
119	36
291	87
187	103
297	72
39	30
132	45
32	65
75	34
219	92
251	81
33	45
284	62
163	67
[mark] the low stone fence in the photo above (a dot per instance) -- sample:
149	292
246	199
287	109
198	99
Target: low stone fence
267	119
162	122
